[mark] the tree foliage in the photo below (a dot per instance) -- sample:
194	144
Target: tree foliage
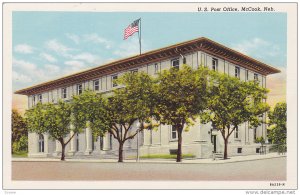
54	119
19	132
232	102
277	128
181	96
117	114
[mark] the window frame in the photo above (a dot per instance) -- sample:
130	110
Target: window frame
173	130
64	95
175	60
41	142
114	77
237	72
79	89
94	85
40	98
214	66
156	68
255	77
247	75
236	133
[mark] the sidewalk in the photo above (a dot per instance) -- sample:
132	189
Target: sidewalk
184	161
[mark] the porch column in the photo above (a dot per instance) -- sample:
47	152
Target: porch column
57	148
72	144
46	143
106	144
88	138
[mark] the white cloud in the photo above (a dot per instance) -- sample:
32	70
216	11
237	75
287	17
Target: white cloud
87	57
18	77
257	47
58	47
74	38
23	48
50	68
28	72
74	63
95	38
48	57
21	64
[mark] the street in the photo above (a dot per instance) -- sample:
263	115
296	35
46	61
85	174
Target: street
257	170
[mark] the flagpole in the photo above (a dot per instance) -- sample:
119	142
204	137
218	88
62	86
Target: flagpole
140	35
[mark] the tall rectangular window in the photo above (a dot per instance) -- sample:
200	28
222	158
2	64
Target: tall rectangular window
237	72
79	89
33	100
236	133
255	76
174	134
247	75
175	63
64	93
113	80
96	85
215	64
155	68
40	98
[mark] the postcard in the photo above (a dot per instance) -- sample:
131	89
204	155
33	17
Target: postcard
150	96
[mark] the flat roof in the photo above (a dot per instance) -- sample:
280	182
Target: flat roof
200	44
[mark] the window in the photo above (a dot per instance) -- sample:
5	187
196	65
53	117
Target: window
255	76
257	150
134	71
113	80
247	75
174	135
239	150
101	143
236	133
184	60
237	72
41	143
96	85
64	93
254	134
110	141
155	68
33	100
40	97
175	63
79	89
77	142
215	64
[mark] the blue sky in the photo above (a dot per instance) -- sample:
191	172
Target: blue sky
47	45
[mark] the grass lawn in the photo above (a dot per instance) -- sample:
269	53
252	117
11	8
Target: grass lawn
20	154
166	156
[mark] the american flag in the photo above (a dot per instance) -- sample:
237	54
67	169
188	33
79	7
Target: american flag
131	29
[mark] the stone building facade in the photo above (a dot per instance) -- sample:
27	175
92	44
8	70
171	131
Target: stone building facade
199	141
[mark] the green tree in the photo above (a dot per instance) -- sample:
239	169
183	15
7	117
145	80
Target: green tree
277	126
181	96
19	131
117	114
54	119
232	102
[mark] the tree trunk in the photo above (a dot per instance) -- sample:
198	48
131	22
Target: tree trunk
179	151
120	152
225	148
63	146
